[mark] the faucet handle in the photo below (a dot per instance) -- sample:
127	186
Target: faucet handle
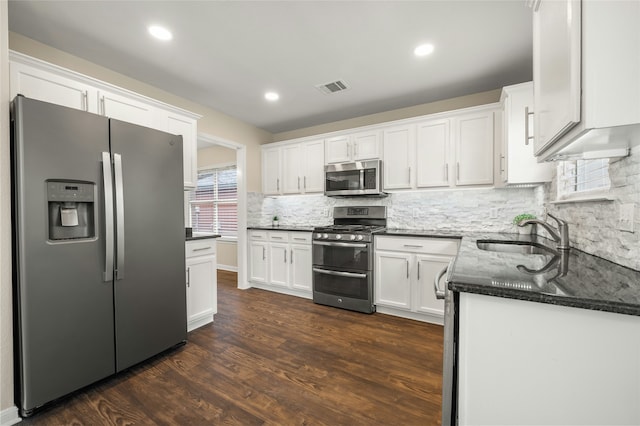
560	222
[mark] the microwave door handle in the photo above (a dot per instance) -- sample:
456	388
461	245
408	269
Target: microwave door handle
362	179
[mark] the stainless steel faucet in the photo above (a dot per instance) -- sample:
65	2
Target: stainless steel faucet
560	235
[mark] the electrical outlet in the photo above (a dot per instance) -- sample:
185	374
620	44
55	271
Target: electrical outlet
625	220
493	213
325	212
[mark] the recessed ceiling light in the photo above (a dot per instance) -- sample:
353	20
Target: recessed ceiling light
423	50
161	33
271	96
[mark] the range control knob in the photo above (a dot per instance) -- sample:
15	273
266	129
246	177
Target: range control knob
318	236
352	237
325	236
360	237
338	237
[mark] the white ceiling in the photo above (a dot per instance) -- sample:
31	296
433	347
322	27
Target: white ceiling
226	54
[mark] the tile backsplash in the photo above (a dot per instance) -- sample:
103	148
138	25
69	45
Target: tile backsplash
461	209
593	226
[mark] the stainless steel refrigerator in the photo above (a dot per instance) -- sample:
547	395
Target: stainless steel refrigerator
98	238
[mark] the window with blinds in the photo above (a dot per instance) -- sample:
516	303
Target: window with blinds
582	177
214	203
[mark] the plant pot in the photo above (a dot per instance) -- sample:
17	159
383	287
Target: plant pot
525	230
275	223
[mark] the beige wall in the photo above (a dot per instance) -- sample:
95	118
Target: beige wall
213	156
212	122
216	155
6	333
396	114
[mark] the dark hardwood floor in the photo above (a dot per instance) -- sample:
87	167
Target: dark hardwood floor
277	360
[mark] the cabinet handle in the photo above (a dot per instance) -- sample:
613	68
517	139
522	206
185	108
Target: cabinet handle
527	113
446	172
264	254
275	238
413	245
355	150
85	100
304	183
291	258
202	248
188	277
278	184
409	175
457	172
501	163
299	239
285	256
104	112
298	183
418	271
407	268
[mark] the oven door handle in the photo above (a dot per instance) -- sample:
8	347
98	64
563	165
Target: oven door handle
331	244
340	274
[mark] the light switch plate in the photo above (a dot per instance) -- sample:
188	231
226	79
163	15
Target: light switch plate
626	218
493	213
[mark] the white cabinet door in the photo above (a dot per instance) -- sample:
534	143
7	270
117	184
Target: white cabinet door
518	164
337	149
392	279
313	173
473	134
366	145
126	109
432	154
271	171
258	261
291	168
398	147
278	264
56	89
427	269
300	263
556	69
188	129
201	288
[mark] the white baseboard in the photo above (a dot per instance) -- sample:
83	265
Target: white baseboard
9	416
424	317
229	268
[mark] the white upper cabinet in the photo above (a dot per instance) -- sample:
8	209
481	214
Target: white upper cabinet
124	108
556	69
586	70
353	147
399	156
518	165
296	168
473	137
57	89
271	167
46	82
432	153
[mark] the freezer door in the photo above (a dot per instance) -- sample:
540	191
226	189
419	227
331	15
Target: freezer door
150	288
64	308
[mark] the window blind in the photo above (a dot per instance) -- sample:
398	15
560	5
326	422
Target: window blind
214	203
582	176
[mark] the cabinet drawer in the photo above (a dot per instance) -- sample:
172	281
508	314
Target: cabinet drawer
418	245
279	236
300	237
200	248
258	235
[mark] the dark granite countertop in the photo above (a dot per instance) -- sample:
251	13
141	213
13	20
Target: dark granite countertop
572	278
202	237
282	228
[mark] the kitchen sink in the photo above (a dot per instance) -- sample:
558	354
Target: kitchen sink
521	247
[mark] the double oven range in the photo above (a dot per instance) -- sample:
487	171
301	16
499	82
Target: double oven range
343	258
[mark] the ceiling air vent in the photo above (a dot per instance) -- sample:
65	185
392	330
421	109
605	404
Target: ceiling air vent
333	87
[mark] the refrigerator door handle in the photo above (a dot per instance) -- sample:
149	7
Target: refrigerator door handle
117	170
108	217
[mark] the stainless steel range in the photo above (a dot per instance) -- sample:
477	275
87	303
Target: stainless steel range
343	258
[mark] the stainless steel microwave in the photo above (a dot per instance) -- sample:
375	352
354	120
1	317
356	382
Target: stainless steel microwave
355	178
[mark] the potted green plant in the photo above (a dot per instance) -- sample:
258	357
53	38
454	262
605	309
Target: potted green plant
519	218
275	221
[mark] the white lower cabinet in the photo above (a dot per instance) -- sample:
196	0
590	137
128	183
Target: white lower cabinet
405	269
202	282
281	261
